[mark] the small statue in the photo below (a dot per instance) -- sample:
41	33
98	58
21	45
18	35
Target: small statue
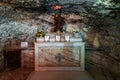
59	21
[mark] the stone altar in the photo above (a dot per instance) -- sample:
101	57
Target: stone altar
51	56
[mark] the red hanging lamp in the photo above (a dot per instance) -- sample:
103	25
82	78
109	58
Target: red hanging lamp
57	7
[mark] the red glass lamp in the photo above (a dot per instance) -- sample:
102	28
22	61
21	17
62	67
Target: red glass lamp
57	7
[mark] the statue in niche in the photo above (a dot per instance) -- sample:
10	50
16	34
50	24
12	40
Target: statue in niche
58	19
59	22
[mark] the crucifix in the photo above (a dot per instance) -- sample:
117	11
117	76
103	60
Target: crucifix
59	57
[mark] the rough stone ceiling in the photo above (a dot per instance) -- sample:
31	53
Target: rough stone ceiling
75	6
38	3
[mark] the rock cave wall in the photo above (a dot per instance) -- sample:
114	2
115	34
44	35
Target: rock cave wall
21	25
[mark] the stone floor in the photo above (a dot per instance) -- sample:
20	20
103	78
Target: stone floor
29	74
60	75
17	74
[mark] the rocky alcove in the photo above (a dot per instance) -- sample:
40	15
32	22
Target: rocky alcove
98	21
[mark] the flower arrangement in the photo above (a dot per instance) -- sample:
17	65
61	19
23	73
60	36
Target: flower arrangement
40	34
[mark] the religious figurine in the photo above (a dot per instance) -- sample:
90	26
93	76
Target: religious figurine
59	21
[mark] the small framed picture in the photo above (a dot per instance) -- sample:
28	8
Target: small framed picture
47	38
24	44
57	38
67	38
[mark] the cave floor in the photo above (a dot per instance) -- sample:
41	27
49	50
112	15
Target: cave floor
60	75
16	74
30	74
